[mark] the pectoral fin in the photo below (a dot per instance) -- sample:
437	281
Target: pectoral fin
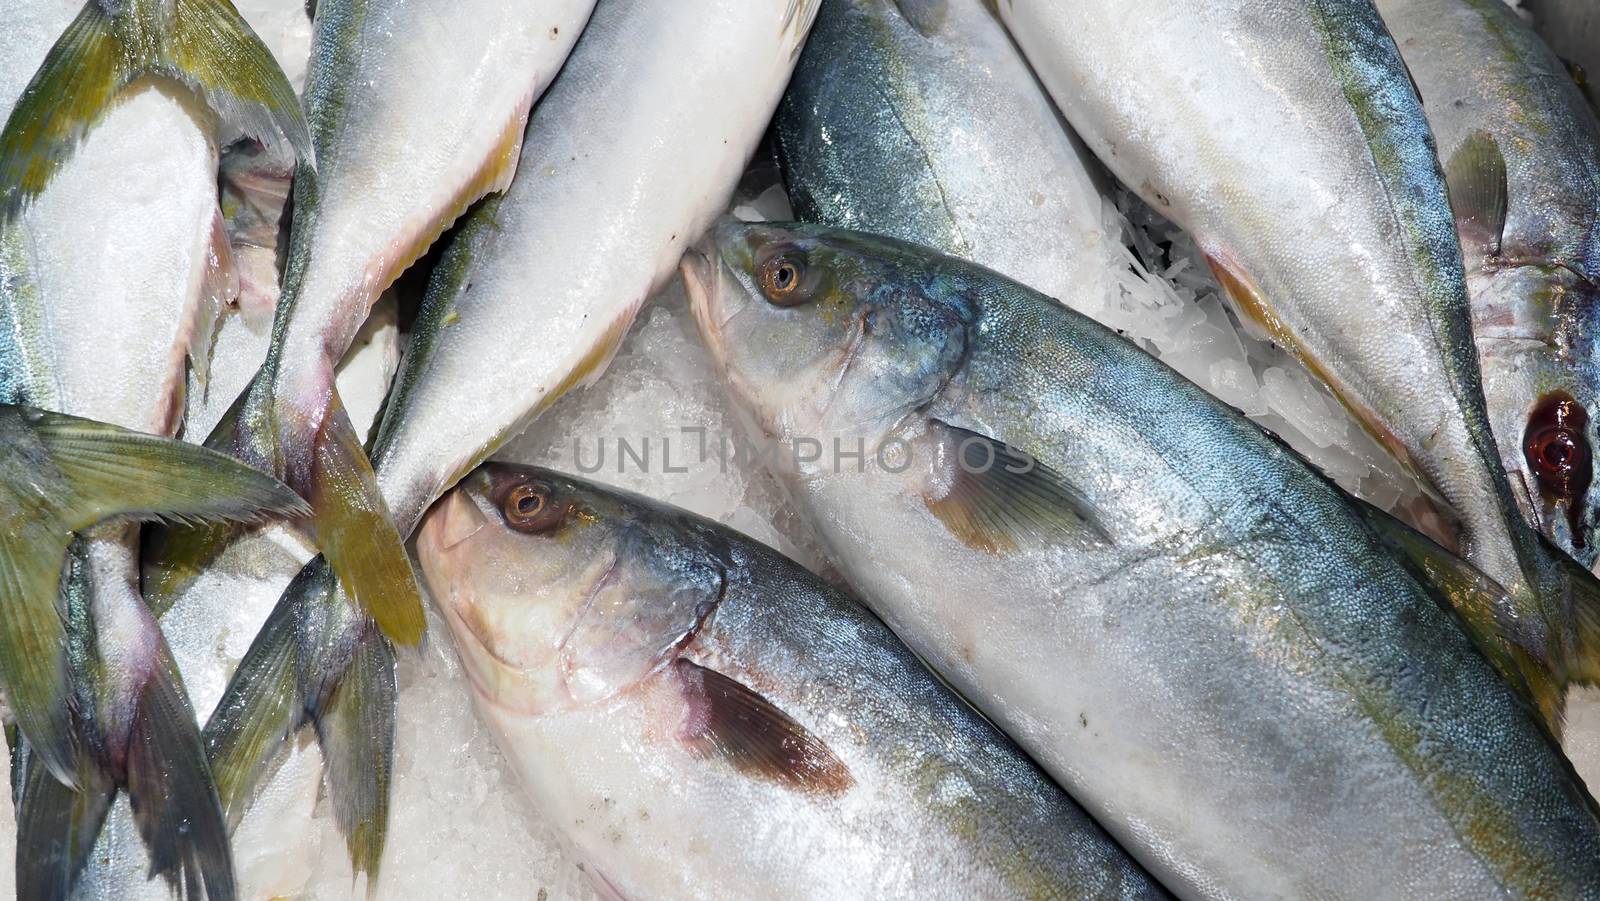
728	720
1000	499
1476	177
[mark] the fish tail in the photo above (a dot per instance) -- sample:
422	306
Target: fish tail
170	788
175	554
355	729
56	825
69	474
353	529
263	704
204	44
317	660
325	462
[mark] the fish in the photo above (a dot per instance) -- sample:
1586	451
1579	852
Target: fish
528	301
1304	167
89	678
1521	147
398	159
108	291
920	120
108	48
1257	686
705	687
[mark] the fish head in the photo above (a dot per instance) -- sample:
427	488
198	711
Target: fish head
820	331
1536	329
561	594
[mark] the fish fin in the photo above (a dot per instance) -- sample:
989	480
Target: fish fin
78	79
263	704
56	825
1476	177
926	16
33	664
1000	499
203	43
174	554
1580	647
1477	601
354	532
85	472
214	51
113	472
728	720
1261	321
174	800
355	729
1255	314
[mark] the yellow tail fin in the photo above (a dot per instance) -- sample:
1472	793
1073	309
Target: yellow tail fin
204	44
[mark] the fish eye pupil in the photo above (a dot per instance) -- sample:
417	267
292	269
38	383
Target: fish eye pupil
1558	451
780	281
528	508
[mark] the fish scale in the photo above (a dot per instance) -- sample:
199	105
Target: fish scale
1304	167
642	132
1487	80
1220	655
891	759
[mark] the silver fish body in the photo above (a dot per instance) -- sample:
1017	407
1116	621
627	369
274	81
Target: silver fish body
646	131
1490	86
1303	165
611	641
1188	627
416	110
920	120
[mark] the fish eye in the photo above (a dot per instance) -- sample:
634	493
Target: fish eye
1556	454
531	507
1556	449
780	280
